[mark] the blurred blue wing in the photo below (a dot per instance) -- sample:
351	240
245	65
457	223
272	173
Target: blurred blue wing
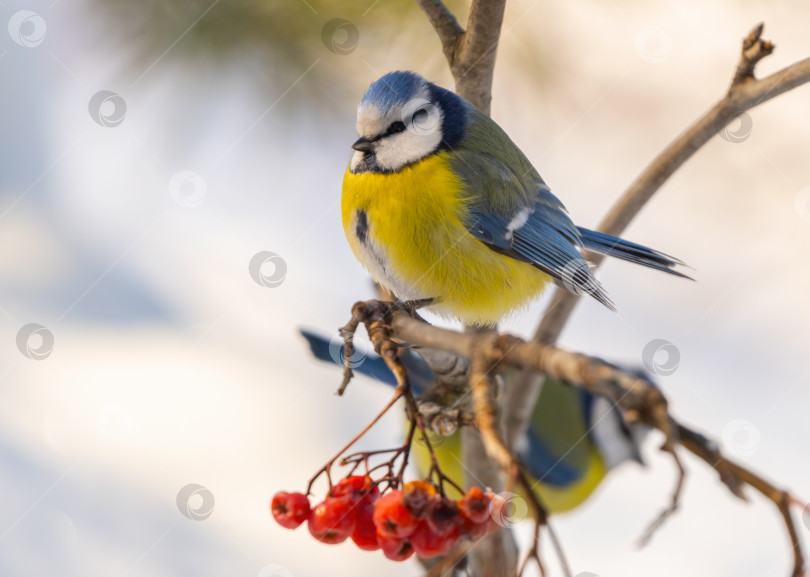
545	465
558	443
550	463
373	365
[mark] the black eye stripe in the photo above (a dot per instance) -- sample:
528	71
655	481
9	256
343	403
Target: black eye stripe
395	127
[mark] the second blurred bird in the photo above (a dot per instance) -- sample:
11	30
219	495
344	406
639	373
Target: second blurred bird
574	438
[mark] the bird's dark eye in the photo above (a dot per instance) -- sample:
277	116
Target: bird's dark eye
395	127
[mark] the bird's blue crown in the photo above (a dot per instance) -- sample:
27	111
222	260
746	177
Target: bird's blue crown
396	88
393	90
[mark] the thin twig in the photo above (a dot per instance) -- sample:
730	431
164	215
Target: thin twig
474	66
745	92
376	316
674	503
328	467
703	448
347	333
636	396
485	357
446	26
470	53
754	49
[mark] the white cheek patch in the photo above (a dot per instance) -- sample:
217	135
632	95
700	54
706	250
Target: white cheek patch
406	147
421	137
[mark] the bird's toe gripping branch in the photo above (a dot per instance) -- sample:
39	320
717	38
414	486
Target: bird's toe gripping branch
376	316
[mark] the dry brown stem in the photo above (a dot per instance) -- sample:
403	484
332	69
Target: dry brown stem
744	93
490	351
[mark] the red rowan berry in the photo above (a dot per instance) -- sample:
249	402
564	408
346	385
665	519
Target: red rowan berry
392	518
443	515
472	530
332	521
290	509
355	488
417	496
365	532
475	505
426	542
395	549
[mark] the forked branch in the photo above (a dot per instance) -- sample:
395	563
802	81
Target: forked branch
744	93
489	352
471	52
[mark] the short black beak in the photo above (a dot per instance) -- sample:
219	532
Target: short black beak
362	144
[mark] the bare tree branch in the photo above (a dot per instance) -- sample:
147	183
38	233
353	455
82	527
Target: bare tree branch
471	57
735	476
475	65
745	92
754	49
470	53
638	397
447	27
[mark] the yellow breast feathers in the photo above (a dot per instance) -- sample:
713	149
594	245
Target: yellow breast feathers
407	229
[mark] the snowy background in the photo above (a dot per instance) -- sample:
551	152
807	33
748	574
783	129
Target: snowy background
128	220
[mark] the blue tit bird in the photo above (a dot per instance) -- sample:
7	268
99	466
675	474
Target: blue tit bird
574	438
439	203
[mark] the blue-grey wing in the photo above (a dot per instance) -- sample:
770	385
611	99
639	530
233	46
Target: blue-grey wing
538	231
513	212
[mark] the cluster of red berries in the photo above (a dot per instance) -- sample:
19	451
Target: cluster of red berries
414	519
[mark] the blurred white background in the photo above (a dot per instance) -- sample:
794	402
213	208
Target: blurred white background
129	243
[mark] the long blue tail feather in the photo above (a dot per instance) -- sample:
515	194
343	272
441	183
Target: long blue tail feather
625	250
